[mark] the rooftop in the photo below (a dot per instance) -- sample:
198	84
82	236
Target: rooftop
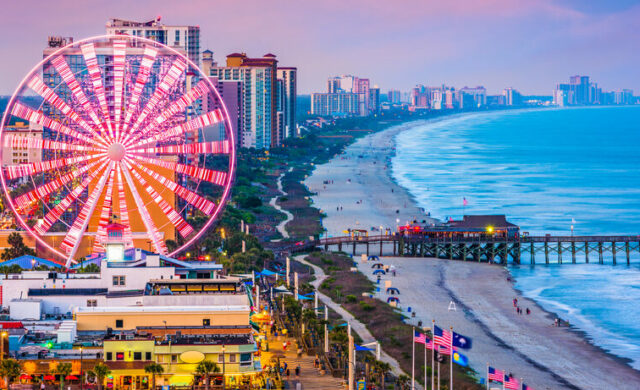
161	309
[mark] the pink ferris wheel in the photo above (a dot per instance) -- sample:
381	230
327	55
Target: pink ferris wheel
116	129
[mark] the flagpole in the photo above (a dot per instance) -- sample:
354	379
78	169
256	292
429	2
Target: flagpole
425	362
413	358
438	374
433	354
487	376
521	383
503	378
451	365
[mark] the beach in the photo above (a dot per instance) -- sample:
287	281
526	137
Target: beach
528	346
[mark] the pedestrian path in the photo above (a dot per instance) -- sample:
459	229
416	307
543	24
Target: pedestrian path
273	202
356	325
310	377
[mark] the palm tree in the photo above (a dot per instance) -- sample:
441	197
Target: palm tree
100	371
9	369
404	382
206	368
153	369
62	369
383	369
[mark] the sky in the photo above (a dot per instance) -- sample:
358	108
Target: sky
528	45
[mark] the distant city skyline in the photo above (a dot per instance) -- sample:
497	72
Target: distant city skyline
528	45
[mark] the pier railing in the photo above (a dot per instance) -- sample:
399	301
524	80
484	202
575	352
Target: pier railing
487	248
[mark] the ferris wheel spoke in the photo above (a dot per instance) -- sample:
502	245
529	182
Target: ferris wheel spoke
31	143
24	201
91	61
215	177
148	58
68	77
56	101
168	82
174	217
213	147
72	240
54	214
119	55
151	228
124	211
31	115
27	169
177	106
202	204
192	125
105	215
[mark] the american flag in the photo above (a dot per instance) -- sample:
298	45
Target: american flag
441	336
418	337
511	382
525	387
496	375
444	350
429	344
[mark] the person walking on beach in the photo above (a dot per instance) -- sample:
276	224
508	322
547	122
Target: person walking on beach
528	311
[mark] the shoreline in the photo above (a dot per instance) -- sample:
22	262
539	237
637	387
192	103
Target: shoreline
374	188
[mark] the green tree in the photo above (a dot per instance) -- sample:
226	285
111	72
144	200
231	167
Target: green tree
62	369
90	269
9	369
153	369
206	368
100	371
17	248
383	369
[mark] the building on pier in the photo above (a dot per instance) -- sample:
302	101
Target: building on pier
481	227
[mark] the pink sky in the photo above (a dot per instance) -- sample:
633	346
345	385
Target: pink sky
530	45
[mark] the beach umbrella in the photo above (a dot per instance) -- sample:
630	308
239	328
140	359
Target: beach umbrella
376	258
25	377
378	272
71	377
377	265
49	378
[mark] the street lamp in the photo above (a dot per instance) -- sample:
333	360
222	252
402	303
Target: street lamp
223	369
81	376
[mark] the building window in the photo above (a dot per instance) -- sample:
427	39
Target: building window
174	358
206	322
119	323
137	356
119	355
109	356
119	280
147	356
220	358
92	303
232	358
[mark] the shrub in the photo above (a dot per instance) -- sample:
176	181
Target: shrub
351	298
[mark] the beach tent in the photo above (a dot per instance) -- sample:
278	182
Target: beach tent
378	272
393	299
266	272
377	265
393	291
374	258
282	290
303	297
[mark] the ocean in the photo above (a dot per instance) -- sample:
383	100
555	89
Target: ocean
547	170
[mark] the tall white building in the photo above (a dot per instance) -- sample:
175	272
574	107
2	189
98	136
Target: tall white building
287	100
184	37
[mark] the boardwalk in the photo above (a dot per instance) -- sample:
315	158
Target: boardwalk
310	377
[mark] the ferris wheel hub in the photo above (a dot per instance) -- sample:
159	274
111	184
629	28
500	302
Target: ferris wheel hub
116	152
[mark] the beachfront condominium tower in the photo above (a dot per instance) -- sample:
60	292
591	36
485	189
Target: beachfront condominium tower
185	37
287	78
337	97
259	125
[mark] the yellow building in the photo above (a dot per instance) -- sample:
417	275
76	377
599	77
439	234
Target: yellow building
231	348
131	317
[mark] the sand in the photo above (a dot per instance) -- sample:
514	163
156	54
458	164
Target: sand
529	347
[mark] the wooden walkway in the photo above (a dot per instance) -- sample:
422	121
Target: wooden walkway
556	249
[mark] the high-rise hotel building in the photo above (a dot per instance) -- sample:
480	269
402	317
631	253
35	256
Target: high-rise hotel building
267	101
185	37
346	95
